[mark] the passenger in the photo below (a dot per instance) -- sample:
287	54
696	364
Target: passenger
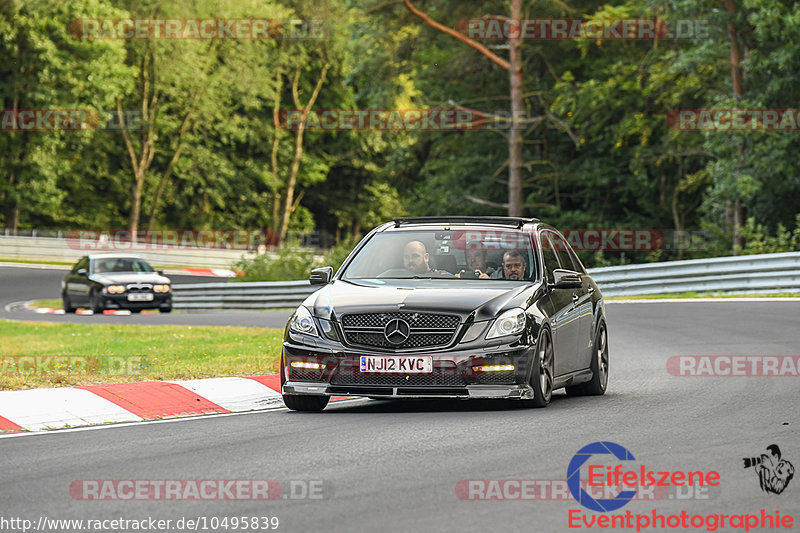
514	266
417	260
476	263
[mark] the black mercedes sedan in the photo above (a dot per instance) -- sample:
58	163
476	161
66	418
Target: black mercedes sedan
449	307
111	281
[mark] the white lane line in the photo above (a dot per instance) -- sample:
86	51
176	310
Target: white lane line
700	300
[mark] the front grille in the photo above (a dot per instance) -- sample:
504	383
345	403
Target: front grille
426	380
426	329
140	287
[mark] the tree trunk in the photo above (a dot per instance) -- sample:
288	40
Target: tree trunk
515	138
288	200
738	90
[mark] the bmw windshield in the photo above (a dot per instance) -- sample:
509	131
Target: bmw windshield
455	254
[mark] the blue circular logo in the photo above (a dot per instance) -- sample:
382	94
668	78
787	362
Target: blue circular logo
574	477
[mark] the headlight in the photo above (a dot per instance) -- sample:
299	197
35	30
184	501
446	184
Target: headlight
160	288
303	322
512	322
115	289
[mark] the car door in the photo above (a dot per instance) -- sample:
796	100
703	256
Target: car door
76	285
581	302
565	327
80	285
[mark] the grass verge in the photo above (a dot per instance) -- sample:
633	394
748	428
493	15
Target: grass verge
40	354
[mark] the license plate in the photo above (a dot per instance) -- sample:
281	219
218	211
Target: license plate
140	297
399	364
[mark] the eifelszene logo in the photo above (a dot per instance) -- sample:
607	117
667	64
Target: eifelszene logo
774	473
602	475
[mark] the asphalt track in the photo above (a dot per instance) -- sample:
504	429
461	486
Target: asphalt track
394	466
20	284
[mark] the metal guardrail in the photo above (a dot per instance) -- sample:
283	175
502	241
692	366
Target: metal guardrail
746	273
70	250
250	295
749	273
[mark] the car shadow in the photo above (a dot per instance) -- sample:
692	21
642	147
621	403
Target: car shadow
438	406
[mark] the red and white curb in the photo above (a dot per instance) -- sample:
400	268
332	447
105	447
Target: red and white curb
43	409
219	272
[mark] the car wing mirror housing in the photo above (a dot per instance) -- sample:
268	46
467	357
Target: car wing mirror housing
566	279
321	276
82	272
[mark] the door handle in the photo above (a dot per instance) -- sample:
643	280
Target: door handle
575	297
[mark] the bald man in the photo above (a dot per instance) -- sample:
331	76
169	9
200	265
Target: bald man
416	258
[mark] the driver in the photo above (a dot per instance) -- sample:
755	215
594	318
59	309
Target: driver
476	262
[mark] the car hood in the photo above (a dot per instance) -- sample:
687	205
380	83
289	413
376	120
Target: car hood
110	278
485	298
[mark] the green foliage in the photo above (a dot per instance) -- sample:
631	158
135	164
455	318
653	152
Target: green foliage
285	263
759	241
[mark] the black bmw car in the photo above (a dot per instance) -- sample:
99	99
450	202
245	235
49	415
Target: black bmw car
108	281
449	307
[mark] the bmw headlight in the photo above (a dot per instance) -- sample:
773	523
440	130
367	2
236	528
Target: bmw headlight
303	322
512	322
115	289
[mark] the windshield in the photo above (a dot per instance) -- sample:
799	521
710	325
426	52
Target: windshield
457	254
121	264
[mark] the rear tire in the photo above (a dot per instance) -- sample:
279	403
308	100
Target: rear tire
542	372
165	309
297	402
599	367
66	304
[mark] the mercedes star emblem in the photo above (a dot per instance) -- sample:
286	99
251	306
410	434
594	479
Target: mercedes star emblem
397	331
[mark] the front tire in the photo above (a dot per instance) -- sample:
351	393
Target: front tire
66	304
542	372
298	402
599	367
96	303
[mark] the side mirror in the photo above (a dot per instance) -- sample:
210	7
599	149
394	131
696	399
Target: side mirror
82	272
321	276
566	279
160	272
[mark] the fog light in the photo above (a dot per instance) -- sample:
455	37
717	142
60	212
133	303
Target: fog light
303	364
493	368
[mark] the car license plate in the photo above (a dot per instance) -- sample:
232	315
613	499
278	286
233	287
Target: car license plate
140	297
399	364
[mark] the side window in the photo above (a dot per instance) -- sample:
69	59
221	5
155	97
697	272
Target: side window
563	251
550	259
83	263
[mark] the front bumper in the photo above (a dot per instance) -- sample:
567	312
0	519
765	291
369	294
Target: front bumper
513	392
120	301
455	373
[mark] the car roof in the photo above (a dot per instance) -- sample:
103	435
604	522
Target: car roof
514	222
